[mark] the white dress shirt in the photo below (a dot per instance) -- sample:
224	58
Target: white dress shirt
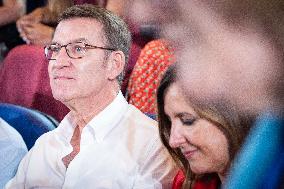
119	148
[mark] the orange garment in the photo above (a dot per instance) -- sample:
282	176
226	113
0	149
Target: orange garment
152	63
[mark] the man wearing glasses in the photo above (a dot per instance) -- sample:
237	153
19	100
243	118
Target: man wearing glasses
103	142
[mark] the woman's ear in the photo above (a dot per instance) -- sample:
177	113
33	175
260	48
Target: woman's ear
116	64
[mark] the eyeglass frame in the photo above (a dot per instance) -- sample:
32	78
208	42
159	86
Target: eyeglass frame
87	46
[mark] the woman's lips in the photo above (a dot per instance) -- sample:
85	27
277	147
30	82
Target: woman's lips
189	154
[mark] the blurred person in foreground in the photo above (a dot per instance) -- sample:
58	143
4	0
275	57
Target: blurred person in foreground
202	138
12	150
242	58
103	142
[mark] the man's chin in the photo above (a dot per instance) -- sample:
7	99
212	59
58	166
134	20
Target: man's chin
62	97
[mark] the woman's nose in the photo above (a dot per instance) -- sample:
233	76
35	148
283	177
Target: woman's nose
176	137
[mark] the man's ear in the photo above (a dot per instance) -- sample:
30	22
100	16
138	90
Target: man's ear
116	63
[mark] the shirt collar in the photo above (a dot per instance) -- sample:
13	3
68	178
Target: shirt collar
65	128
107	119
102	123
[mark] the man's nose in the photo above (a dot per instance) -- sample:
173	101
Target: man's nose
62	59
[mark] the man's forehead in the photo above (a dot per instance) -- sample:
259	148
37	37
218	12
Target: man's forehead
78	30
82	20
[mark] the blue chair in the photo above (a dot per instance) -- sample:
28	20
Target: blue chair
152	116
28	122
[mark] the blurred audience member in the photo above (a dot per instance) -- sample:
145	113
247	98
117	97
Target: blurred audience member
203	139
103	142
12	150
38	26
152	63
10	11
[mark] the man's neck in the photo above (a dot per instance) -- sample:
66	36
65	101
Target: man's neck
84	109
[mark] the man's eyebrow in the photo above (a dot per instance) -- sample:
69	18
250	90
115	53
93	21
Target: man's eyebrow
82	39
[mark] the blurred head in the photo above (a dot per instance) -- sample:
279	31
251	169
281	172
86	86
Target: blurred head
202	138
152	11
88	53
231	49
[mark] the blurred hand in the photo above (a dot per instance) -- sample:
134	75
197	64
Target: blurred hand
27	20
38	34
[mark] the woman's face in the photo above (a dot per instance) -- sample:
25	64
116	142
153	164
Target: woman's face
201	142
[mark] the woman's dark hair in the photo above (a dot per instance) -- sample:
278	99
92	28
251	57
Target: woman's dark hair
234	124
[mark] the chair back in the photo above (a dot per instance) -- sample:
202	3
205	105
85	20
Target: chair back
28	122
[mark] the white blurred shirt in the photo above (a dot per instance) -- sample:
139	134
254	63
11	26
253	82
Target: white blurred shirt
120	149
12	150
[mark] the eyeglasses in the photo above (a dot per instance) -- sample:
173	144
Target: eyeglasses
74	50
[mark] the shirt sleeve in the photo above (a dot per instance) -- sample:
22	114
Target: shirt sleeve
157	169
10	159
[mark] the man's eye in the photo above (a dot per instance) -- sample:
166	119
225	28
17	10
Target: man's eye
79	49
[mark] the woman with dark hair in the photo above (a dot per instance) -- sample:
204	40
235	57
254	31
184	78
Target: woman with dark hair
203	139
